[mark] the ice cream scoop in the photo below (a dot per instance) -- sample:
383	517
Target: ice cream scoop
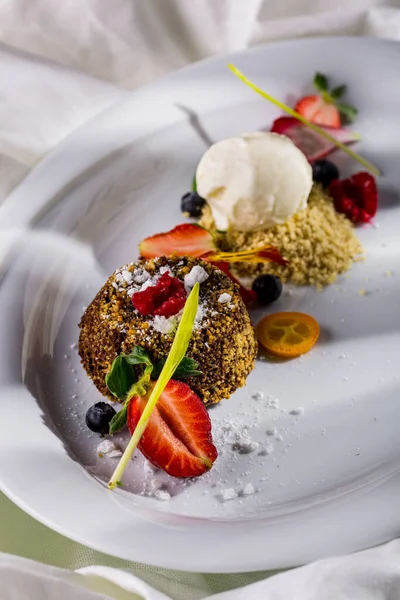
254	181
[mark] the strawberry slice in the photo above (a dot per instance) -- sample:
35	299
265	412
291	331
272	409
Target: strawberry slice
177	438
310	143
189	239
318	111
326	107
186	239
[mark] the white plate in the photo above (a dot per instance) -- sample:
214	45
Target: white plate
331	484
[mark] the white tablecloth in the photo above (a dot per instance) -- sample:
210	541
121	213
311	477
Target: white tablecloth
61	63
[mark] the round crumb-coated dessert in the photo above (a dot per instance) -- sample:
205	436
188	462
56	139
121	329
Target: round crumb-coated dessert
223	342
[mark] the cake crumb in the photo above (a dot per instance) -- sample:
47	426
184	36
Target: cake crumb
196	275
109	449
156	484
248	489
163	324
228	494
224	298
245	445
162	495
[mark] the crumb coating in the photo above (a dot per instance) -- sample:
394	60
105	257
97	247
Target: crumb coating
223	340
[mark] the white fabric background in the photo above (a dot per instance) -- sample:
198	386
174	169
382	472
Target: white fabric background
61	63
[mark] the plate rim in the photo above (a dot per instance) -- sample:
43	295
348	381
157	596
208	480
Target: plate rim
35	174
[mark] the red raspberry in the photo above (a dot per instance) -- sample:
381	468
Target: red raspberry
166	298
356	197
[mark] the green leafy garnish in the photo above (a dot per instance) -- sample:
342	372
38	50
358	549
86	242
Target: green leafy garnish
175	356
363	161
338	91
186	368
346	109
321	82
139	388
119	420
138	356
120	378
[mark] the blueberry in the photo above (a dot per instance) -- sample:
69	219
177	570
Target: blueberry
324	172
192	203
268	288
98	417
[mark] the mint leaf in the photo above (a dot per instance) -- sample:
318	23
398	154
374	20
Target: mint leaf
194	184
350	112
321	82
186	368
338	92
120	378
138	356
138	388
119	420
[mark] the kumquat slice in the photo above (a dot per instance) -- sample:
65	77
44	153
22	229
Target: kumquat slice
288	334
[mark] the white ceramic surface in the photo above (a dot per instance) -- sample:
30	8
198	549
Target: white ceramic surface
327	479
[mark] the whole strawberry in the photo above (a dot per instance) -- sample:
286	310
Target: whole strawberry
326	108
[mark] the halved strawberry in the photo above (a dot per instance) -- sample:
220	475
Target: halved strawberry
177	438
318	111
314	146
186	239
325	108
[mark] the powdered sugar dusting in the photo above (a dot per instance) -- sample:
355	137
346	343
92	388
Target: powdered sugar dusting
140	276
248	489
163	324
130	280
162	495
228	494
224	298
196	275
109	449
